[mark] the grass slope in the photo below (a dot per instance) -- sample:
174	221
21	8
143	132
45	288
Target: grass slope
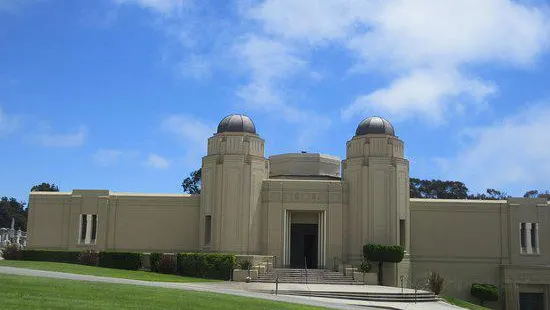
462	303
22	292
99	271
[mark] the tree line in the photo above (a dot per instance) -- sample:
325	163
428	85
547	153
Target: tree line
434	189
438	189
11	208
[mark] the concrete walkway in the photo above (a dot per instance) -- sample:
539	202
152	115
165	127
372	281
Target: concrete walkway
251	290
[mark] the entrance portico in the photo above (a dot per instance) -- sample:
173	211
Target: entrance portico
305	239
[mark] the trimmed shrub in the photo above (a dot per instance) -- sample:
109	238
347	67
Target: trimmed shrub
484	292
120	260
11	252
89	258
71	257
206	265
435	282
154	259
383	253
167	264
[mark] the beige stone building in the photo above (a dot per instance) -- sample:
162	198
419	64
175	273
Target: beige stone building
314	209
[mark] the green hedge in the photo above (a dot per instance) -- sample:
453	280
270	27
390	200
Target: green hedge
206	265
154	260
51	256
484	292
120	260
383	253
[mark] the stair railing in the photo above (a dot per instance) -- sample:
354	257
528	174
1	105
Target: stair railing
305	265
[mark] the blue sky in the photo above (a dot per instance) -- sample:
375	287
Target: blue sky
122	94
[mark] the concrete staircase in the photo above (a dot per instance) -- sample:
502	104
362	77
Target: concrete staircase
314	276
421	296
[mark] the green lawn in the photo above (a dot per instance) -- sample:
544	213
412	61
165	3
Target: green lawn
462	303
98	271
22	292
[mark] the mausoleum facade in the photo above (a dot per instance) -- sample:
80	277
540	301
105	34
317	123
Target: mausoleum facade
313	210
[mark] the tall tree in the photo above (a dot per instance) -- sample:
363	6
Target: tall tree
10	209
45	187
490	194
536	194
192	184
437	189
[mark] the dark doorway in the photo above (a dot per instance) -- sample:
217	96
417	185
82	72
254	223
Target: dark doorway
303	245
531	301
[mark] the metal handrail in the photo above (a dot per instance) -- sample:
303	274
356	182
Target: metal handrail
305	265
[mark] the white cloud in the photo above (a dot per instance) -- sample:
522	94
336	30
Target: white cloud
511	153
188	129
193	134
62	140
314	21
268	62
426	93
409	38
8	123
106	157
426	49
425	33
157	162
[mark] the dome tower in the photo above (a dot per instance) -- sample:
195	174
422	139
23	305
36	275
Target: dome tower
232	174
377	177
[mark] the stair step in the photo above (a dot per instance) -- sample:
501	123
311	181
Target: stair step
386	297
299	276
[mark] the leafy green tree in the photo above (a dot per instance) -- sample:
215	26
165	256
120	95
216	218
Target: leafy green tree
437	189
491	194
45	187
383	253
536	194
10	209
192	184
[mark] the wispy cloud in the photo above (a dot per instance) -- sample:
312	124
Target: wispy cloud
71	139
15	6
196	67
157	162
8	123
106	157
417	41
427	93
513	152
187	128
268	62
216	42
166	7
192	133
271	63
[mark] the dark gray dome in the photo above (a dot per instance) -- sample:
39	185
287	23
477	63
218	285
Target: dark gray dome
374	124
236	123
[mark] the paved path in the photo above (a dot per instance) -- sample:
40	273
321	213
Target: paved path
239	289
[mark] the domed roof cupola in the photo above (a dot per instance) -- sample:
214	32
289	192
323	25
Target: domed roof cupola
236	123
374	125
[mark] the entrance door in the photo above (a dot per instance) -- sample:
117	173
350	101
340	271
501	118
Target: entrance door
531	301
303	245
